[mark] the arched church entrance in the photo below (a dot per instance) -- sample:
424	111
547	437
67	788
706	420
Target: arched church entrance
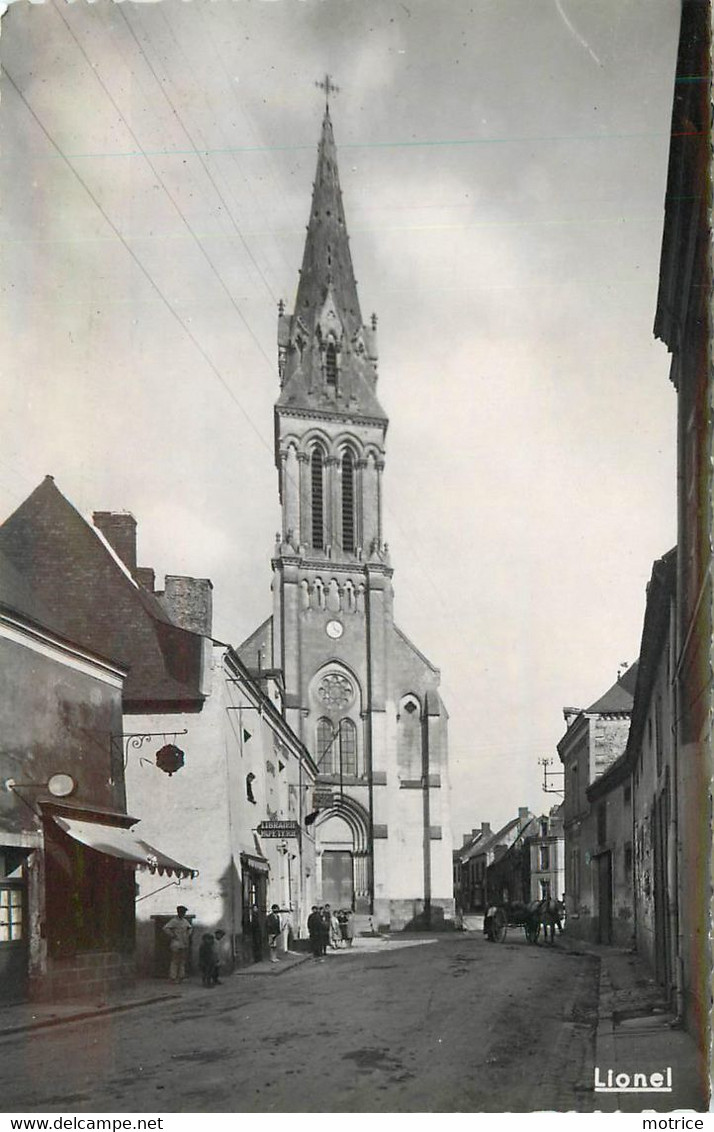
336	847
342	856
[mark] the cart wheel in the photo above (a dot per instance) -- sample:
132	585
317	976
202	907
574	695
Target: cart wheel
499	926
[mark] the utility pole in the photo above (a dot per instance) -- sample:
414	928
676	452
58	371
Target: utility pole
552	775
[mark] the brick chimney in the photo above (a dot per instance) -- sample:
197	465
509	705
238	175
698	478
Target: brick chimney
119	529
523	815
189	603
146	577
571	713
467	839
485	828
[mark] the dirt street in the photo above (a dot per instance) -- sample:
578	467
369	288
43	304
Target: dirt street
449	1025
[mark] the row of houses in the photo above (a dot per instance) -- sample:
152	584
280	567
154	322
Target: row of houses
521	861
637	764
629	809
143	765
635	824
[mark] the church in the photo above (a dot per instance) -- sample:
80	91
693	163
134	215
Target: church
361	697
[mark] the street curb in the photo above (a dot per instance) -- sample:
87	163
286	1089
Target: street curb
83	1015
272	974
122	1007
605	1039
584	1086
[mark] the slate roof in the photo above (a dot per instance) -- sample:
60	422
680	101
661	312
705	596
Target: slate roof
77	588
619	698
484	844
16	595
327	274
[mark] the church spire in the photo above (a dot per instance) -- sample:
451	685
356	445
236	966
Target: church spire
328	357
327	262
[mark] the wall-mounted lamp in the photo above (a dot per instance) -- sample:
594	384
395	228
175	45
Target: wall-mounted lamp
59	785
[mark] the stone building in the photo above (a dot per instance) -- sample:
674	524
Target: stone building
635	811
652	759
210	764
532	866
68	852
360	695
546	849
594	739
683	323
606	838
468	886
477	883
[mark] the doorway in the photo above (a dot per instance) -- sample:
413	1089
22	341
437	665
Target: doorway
337	879
604	897
659	819
13	942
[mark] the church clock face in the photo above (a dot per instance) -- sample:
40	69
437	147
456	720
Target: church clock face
334	630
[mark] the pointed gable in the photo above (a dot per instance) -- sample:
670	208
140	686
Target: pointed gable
329	361
619	698
89	597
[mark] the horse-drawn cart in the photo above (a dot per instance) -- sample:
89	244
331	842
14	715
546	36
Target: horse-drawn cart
499	918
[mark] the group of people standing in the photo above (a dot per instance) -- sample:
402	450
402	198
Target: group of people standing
328	928
179	930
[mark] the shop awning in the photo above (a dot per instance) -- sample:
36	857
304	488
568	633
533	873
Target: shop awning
124	844
257	864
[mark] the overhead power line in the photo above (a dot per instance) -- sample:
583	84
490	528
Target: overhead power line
144	271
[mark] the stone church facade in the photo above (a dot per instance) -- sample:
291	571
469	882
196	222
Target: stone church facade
360	695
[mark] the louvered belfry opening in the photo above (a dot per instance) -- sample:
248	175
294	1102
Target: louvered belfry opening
331	365
318	515
348	503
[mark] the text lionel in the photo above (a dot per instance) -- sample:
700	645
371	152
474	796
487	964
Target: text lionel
633	1082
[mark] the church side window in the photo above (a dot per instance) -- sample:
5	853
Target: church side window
337	748
325	750
331	365
348	503
318	518
348	747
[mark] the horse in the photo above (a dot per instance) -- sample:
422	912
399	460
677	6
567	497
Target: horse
547	913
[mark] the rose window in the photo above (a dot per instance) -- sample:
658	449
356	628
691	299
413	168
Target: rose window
335	690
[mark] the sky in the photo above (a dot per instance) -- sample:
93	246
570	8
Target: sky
503	168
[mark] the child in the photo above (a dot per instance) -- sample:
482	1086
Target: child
208	959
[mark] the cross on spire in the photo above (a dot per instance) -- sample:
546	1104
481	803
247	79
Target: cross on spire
329	88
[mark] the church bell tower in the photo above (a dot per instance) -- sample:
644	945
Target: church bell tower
360	696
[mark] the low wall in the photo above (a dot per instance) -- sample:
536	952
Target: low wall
88	975
413	915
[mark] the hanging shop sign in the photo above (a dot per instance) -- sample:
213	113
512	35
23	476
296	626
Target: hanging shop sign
279	829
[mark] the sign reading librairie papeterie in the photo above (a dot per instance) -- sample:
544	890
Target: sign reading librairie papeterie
278	829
